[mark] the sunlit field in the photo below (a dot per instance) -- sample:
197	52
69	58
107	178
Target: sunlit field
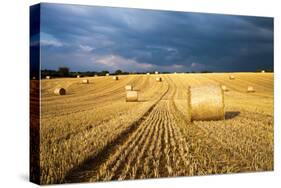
93	134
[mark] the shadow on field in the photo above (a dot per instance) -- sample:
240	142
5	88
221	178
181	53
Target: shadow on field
138	101
143	100
231	114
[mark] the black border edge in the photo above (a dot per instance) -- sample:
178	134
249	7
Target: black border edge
34	88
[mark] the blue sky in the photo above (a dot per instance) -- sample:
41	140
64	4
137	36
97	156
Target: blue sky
91	38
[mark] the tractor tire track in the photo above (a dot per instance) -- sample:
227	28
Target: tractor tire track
94	162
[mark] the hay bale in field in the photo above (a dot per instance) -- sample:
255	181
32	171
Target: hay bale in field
131	96
129	88
78	76
250	89
148	73
159	79
48	77
156	72
206	103
224	88
107	74
85	81
59	91
232	77
263	71
115	78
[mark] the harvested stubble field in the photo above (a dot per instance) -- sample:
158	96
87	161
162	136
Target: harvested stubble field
93	134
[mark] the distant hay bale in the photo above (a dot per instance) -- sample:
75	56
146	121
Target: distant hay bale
59	91
232	77
107	74
250	89
78	76
263	71
85	81
115	78
129	88
156	72
224	88
48	77
206	103
95	75
131	96
159	79
148	73
175	72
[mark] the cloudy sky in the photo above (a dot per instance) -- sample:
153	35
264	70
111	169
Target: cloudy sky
89	38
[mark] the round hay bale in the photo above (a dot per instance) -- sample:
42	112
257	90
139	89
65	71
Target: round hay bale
59	91
232	77
129	88
131	96
115	78
48	77
206	103
263	71
250	89
78	76
85	81
107	74
156	72
224	88
159	79
148	73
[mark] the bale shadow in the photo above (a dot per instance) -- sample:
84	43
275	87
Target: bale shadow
143	100
139	100
231	114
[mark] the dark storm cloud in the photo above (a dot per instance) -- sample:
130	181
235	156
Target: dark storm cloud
95	38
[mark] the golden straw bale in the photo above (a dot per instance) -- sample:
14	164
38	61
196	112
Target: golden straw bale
107	74
59	91
156	72
206	103
85	81
159	79
115	78
148	73
129	88
224	88
131	96
263	71
78	76
232	77
48	77
250	89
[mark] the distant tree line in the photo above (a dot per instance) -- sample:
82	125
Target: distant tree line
65	72
266	70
